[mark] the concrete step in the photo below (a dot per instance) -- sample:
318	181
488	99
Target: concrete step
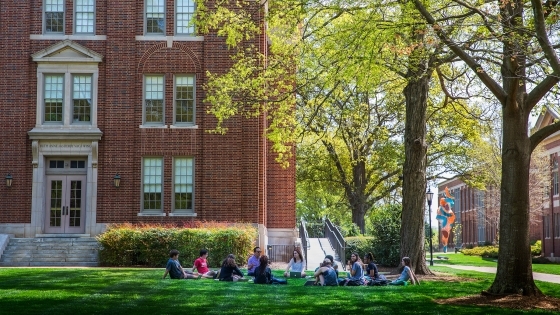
51	251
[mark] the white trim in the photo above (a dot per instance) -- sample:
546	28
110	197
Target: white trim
163	38
140	214
153	127
175	214
183	127
66	37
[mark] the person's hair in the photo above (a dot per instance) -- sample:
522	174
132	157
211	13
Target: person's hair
255	249
357	257
173	253
331	258
406	261
262	266
229	261
203	252
369	257
326	262
298	250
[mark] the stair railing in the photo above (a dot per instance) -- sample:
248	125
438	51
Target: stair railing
304	239
332	233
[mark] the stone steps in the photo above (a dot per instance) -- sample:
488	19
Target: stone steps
51	251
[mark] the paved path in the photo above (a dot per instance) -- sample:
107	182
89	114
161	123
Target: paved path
536	275
318	249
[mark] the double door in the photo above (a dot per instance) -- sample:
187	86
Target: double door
65	204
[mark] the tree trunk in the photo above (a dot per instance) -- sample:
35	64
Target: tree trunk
515	273
414	171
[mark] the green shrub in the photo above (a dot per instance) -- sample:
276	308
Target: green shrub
483	251
492	251
386	224
149	245
359	244
536	248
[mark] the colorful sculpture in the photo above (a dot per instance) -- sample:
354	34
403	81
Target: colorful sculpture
446	216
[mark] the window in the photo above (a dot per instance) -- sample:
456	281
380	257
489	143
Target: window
183	184
184	100
152	179
557	225
153	99
155	17
81	98
54	99
184	12
55	105
84	18
555	177
54	16
546	224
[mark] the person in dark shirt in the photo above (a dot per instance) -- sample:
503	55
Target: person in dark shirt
229	270
174	268
263	274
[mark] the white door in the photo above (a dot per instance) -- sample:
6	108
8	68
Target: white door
65	204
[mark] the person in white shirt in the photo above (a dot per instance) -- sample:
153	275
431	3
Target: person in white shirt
296	264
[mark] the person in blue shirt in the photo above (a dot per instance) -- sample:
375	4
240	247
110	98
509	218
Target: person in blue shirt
406	274
356	277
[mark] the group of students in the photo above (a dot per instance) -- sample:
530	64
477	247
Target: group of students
327	274
258	267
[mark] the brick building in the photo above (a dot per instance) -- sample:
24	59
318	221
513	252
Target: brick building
94	90
478	214
551	204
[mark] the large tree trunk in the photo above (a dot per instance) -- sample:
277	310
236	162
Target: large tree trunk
414	171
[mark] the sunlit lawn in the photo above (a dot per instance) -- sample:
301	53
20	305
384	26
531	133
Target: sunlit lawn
142	291
460	259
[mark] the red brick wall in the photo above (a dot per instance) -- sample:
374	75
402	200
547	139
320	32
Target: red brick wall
232	171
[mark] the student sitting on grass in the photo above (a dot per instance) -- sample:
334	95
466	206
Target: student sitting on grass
406	274
296	264
201	265
230	271
326	275
372	274
263	274
356	272
174	268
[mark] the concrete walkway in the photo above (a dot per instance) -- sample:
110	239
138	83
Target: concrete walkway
536	275
318	249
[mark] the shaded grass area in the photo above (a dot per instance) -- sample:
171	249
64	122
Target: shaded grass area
460	259
142	291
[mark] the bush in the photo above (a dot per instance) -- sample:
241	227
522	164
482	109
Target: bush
492	251
483	251
536	248
149	245
386	224
360	244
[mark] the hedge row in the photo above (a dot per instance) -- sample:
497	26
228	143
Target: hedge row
128	245
492	251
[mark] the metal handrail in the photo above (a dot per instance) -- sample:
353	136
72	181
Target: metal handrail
304	239
337	241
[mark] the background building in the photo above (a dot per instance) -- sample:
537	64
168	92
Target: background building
94	90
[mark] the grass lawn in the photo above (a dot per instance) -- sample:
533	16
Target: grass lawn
142	291
460	259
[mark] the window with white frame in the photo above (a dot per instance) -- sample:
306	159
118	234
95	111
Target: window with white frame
84	16
555	177
556	225
546	226
57	108
54	16
183	182
155	17
152	182
184	13
184	100
153	99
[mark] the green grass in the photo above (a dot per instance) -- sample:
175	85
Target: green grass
142	291
460	259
